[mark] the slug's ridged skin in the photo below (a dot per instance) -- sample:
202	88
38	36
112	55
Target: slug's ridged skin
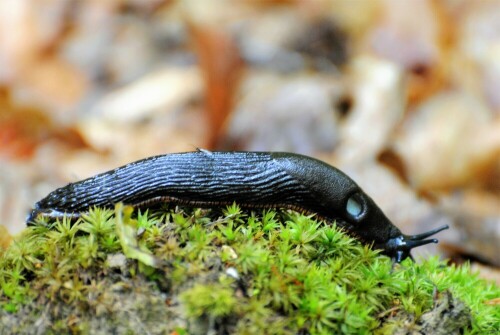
251	179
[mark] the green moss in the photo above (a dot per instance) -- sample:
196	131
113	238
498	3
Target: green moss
192	270
212	300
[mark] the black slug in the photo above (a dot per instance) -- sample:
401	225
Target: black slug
251	179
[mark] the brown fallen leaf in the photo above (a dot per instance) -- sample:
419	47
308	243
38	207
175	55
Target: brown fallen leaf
450	141
285	113
410	35
378	106
222	66
22	129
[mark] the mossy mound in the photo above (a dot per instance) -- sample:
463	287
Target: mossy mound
193	271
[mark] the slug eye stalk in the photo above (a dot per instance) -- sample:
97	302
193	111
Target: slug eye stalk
399	248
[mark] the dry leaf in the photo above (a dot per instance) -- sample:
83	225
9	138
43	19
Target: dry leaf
221	66
449	141
378	106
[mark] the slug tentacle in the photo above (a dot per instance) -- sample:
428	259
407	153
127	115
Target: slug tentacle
399	247
420	237
251	179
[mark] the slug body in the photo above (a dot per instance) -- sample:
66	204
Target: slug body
251	179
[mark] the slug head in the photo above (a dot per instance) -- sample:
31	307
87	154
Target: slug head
338	197
363	212
399	247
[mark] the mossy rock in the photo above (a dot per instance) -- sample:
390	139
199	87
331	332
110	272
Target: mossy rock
193	271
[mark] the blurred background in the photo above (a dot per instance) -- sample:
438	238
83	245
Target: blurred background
404	96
